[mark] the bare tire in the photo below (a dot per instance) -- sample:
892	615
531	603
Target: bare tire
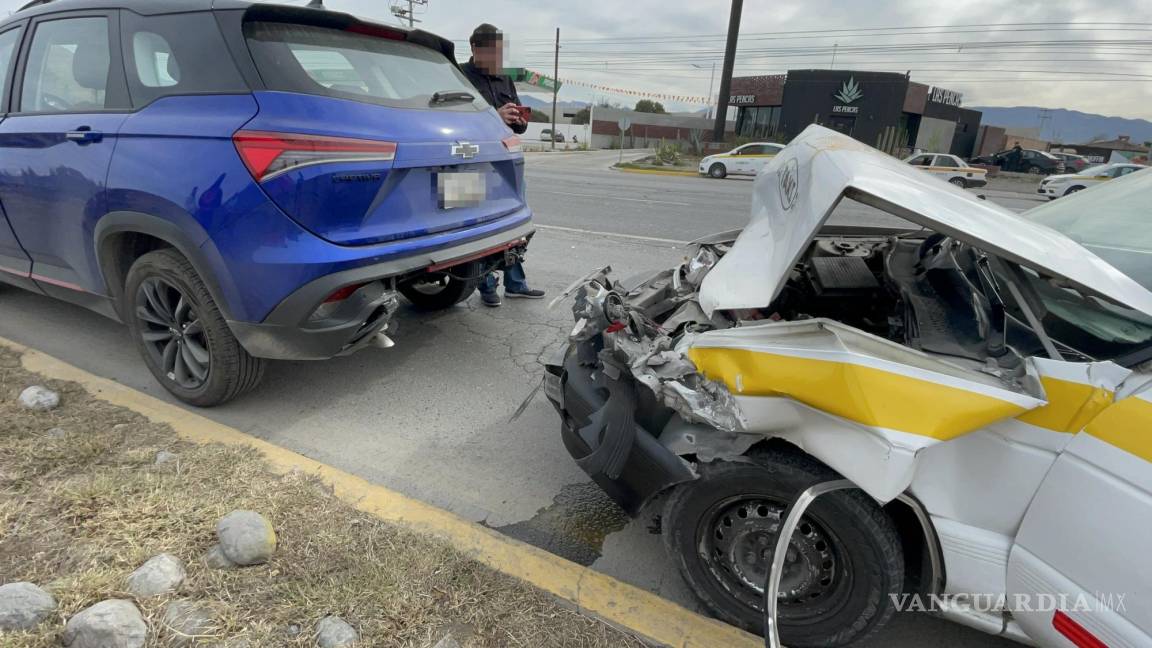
1072	190
845	559
718	171
182	335
440	290
959	182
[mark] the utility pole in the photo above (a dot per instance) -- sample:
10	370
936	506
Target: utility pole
726	74
834	46
555	86
408	14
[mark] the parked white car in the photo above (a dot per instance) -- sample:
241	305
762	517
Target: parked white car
742	160
1061	185
949	168
981	380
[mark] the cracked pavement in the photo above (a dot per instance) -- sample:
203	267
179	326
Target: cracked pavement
430	416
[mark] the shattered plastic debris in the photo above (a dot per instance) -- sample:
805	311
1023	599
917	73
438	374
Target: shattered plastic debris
699	265
647	349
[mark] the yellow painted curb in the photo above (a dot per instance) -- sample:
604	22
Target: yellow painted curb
593	593
657	172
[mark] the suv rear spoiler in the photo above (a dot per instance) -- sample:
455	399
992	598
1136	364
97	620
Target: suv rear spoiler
348	22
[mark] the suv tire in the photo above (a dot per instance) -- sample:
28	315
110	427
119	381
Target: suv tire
440	290
196	358
849	559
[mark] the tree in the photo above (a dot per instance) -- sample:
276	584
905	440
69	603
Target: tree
582	116
649	106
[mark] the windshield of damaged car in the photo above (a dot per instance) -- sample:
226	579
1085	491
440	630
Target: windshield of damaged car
1113	221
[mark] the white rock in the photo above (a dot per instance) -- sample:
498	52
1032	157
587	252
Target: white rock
216	559
334	632
187	620
164	457
114	623
160	575
55	433
246	537
39	398
23	606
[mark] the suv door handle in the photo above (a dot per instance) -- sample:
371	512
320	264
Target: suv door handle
83	135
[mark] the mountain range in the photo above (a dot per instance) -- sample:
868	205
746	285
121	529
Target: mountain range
1067	126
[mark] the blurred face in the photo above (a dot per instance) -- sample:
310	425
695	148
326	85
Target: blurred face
489	56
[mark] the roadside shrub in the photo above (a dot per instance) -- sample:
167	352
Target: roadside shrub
668	154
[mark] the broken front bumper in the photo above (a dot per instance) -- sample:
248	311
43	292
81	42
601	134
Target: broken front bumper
611	428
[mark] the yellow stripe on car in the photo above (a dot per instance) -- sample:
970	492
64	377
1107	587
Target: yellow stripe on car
865	395
1071	405
1126	425
725	156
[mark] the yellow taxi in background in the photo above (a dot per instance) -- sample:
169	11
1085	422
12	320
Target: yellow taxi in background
949	168
742	160
1061	185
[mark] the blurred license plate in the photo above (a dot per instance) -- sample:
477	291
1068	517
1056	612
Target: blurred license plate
461	189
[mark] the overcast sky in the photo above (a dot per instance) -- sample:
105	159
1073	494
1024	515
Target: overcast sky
1113	78
531	25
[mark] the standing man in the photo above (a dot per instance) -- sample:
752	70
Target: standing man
1015	156
484	72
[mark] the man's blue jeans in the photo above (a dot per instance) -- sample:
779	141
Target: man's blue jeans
514	280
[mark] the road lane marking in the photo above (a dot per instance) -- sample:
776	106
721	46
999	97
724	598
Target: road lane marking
644	200
615	602
634	237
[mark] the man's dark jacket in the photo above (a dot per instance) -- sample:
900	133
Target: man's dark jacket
496	89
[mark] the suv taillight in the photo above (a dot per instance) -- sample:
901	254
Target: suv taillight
270	154
513	144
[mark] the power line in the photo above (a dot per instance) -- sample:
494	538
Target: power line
893	31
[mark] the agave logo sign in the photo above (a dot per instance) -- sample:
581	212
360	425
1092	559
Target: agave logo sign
849	92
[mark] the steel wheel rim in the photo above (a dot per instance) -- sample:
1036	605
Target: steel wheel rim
173	333
736	539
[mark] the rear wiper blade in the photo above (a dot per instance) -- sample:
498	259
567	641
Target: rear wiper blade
451	95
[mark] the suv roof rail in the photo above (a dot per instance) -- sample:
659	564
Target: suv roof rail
34	3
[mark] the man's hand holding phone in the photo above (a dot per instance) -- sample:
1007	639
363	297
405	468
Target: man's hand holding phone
513	114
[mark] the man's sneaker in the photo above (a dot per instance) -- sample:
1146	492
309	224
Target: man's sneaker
527	293
490	299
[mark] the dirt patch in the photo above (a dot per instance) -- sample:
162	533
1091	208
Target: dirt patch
83	503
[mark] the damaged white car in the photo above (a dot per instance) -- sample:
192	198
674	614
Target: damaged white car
984	380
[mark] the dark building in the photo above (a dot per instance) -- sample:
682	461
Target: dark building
881	109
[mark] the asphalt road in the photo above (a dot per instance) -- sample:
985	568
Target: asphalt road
430	417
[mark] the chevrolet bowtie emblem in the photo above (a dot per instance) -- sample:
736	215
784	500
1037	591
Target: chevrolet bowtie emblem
465	150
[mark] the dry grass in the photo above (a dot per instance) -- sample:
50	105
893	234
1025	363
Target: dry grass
79	513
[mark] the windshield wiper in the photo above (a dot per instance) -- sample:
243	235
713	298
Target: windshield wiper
450	96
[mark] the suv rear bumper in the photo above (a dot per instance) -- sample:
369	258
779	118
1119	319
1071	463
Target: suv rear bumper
288	334
603	431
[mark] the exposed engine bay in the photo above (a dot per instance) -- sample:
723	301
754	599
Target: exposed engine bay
919	289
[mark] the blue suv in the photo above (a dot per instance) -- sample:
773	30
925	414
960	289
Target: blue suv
241	181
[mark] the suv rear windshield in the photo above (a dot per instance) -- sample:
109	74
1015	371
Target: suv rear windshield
325	61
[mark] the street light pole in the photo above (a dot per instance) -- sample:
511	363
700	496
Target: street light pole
726	75
711	83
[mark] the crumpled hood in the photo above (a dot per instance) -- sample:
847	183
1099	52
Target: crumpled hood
797	191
